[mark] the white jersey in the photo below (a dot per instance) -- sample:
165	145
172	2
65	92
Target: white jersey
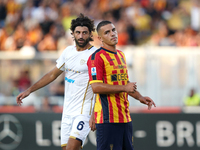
79	97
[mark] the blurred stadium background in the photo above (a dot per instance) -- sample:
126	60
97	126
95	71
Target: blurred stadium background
160	39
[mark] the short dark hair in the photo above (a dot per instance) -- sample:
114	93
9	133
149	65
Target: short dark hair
82	21
103	23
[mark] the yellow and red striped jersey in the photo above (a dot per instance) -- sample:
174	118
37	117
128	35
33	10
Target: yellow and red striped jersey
110	67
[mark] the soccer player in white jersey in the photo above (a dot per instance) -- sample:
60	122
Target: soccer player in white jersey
78	101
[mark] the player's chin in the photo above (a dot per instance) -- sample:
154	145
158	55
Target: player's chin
115	41
82	45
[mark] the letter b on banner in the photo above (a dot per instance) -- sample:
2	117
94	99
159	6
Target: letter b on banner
164	134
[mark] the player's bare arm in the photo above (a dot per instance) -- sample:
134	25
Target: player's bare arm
92	117
92	122
46	79
143	99
103	88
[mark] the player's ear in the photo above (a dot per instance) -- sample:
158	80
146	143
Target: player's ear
91	37
72	35
99	37
91	34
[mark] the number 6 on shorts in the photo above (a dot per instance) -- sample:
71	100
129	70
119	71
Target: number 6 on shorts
80	125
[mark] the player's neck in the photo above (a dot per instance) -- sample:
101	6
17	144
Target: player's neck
110	47
83	48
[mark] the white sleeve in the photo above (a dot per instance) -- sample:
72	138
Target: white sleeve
61	61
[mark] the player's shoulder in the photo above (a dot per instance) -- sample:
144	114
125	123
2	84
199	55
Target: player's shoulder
92	48
96	53
69	48
120	51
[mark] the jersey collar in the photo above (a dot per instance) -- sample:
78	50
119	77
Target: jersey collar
108	50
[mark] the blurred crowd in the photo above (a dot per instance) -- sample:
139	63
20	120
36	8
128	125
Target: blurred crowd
32	26
43	25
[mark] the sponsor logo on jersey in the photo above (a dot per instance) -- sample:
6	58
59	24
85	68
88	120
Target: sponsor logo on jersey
119	77
93	71
69	80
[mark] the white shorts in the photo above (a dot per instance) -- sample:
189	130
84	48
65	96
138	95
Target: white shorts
76	127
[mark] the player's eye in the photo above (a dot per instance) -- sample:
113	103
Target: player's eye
106	32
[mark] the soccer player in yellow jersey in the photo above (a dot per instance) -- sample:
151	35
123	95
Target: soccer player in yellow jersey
109	80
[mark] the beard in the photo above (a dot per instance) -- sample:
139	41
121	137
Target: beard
83	44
